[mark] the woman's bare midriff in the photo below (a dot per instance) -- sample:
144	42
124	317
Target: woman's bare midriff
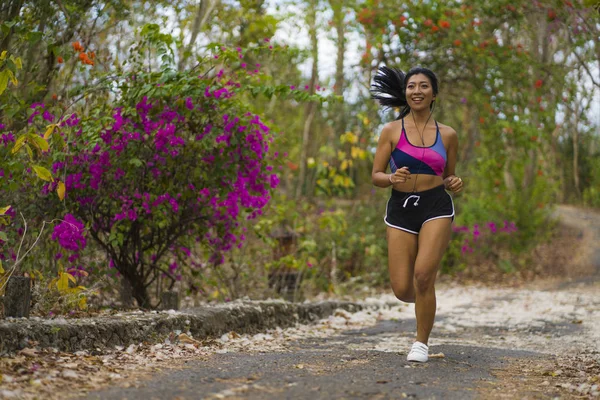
424	182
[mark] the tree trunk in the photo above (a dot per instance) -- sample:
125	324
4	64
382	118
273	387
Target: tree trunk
311	107
340	84
576	152
205	7
17	299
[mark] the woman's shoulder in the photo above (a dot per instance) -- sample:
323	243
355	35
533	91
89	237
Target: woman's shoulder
392	129
447	130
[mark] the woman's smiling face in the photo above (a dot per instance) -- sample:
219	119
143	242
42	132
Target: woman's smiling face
419	93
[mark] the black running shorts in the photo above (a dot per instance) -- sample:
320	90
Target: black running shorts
409	211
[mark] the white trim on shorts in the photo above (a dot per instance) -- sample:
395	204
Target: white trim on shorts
441	216
399	227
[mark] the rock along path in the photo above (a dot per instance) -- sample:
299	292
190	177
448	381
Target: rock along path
487	343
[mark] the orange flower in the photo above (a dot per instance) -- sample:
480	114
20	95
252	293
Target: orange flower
540	173
85	59
481	120
539	83
77	47
92	55
54	96
457	42
551	15
59	60
434	29
444	24
534	138
428	22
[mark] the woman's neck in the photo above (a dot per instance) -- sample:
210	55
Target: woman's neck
421	118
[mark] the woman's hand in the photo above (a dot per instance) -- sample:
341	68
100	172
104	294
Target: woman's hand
453	183
400	176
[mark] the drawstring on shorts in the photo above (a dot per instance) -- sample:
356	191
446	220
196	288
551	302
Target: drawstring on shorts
416	203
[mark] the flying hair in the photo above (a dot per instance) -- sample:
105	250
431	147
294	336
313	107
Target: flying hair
389	87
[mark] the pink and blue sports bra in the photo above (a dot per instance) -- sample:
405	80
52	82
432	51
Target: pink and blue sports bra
419	160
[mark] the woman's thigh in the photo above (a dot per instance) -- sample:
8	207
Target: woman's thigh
433	242
402	252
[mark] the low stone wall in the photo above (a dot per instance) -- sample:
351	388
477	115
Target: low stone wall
134	327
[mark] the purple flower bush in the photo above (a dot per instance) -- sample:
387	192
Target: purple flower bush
163	177
170	173
473	237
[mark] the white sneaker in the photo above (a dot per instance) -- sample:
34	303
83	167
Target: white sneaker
418	352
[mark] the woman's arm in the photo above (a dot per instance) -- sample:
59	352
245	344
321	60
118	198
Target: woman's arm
382	157
451	181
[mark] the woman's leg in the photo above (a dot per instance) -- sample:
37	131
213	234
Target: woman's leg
433	241
402	251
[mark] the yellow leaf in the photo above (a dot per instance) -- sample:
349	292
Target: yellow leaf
71	277
19	143
344	165
3	210
29	151
63	282
1	269
39	142
83	303
18	63
60	190
12	78
3	55
4	80
43	173
49	131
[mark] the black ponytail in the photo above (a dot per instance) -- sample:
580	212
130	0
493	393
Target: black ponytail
388	89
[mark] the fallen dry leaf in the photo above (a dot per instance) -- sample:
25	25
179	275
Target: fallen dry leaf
183	338
29	352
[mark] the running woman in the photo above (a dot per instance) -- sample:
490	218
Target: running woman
421	153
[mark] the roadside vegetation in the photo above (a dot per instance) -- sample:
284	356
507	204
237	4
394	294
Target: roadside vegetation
202	148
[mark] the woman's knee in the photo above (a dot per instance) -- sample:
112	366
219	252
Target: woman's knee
424	280
404	293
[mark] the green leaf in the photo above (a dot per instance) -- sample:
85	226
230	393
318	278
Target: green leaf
43	173
3	236
58	141
33	37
